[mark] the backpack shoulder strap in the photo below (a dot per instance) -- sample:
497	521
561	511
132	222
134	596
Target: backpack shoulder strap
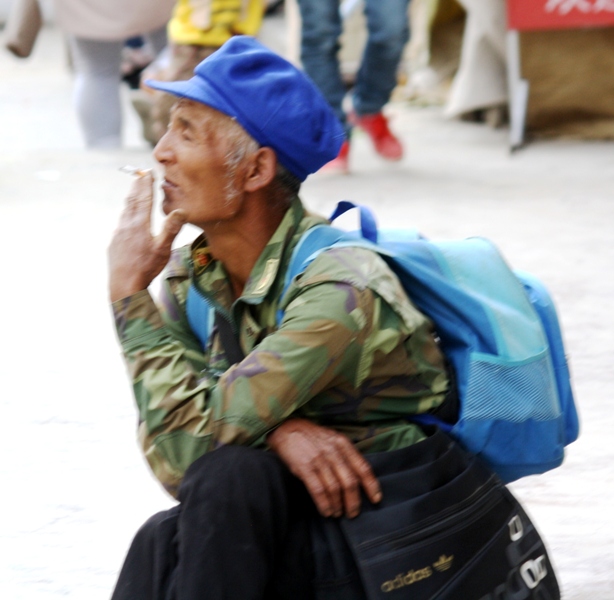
230	341
321	237
200	315
312	243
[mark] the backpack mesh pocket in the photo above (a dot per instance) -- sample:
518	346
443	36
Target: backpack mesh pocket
511	391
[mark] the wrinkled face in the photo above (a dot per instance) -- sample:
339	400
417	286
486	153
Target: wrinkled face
204	163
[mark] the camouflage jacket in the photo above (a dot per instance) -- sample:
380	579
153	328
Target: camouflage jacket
351	353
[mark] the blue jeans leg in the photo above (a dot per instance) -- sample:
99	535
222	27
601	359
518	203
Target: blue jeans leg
321	28
388	32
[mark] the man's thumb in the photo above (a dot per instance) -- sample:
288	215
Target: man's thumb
172	226
175	221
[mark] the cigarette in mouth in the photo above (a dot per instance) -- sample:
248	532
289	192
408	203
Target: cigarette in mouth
139	172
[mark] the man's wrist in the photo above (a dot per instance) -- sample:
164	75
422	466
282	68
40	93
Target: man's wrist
138	320
122	289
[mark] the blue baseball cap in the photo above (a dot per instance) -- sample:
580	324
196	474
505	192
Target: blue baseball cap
276	103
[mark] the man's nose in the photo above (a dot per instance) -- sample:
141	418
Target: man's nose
162	151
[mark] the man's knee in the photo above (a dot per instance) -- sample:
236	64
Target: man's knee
233	472
160	526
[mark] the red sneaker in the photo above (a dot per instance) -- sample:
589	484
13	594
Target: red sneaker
340	164
376	126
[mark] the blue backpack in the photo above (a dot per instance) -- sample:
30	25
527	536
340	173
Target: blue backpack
498	328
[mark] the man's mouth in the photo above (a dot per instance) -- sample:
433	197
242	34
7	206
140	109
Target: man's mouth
167	184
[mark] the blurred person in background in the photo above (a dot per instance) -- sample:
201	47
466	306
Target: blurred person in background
196	29
388	32
97	31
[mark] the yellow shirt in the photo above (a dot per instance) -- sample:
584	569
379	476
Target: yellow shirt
213	22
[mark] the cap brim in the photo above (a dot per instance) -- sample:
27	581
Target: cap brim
196	89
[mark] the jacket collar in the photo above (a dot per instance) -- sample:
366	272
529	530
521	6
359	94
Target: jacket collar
210	277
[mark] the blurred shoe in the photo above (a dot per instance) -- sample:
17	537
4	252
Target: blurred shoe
376	126
134	61
341	163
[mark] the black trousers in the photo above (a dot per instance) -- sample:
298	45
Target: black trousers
241	530
245	528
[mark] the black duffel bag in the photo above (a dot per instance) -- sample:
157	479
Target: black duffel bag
447	528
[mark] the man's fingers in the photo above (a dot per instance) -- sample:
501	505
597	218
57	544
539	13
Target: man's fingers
318	491
340	471
140	198
323	486
349	484
328	464
359	465
332	489
171	227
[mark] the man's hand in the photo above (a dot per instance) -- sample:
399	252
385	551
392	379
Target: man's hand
328	464
135	256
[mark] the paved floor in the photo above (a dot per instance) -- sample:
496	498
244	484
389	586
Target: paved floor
74	485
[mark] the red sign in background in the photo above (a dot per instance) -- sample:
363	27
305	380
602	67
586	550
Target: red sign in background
526	15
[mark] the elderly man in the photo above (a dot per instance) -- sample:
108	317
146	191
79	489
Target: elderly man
351	358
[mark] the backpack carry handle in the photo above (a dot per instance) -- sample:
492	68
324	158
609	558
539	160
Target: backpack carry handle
368	224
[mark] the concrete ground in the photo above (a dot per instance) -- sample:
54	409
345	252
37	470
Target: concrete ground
75	487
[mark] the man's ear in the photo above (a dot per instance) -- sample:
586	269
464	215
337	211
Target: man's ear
262	169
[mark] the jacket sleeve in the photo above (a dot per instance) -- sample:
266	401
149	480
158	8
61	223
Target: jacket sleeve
185	412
